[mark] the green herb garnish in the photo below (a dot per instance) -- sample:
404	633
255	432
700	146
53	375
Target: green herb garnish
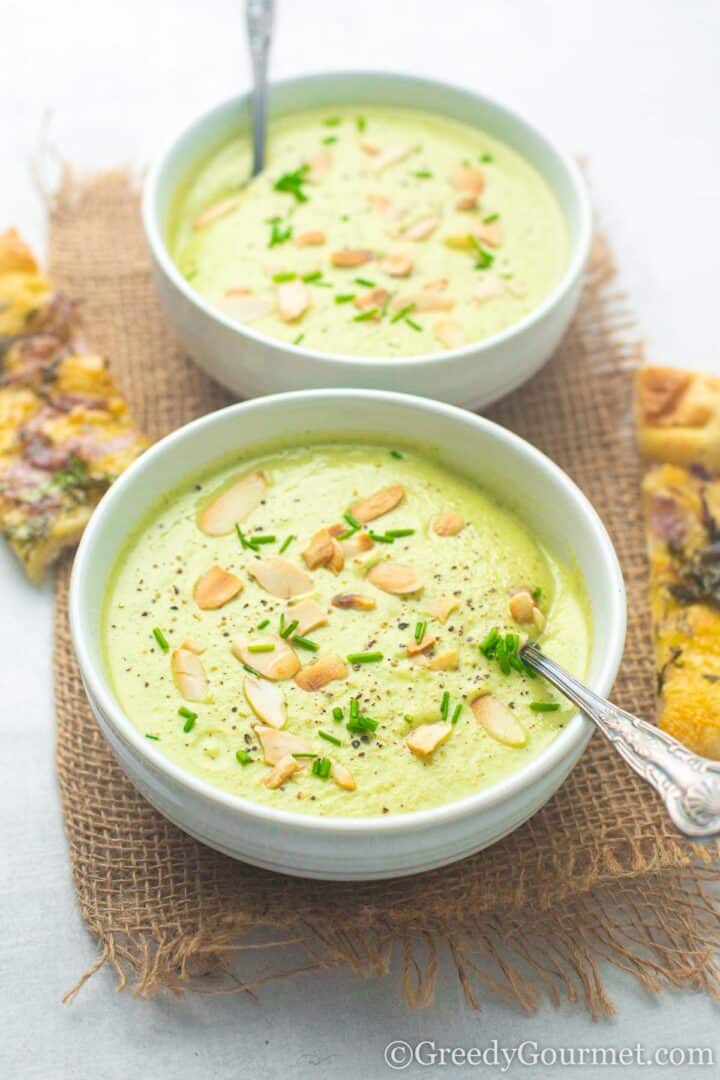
298	339
279	235
243	757
261	646
330	139
396	453
544	706
360	123
287	542
445	705
190	718
246	541
286	631
490	218
321	767
364	657
330	738
486	157
395	534
305	643
456	714
367	283
420	628
332	121
365	315
381	538
315	275
413	324
252	671
263	538
155	738
401	314
352	521
292	183
536	593
284	275
337	714
161	639
484	258
344	298
265	622
361	725
423	174
506	650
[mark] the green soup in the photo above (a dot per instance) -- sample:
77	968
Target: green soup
398	728
372	232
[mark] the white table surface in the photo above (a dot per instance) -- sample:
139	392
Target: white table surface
633	84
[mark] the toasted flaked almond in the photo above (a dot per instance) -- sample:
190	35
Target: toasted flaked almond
424	300
189	674
323	671
193	646
319	551
215	588
369	147
293	300
276	744
280	577
450	333
350	257
281	663
489	288
538	619
309	615
521	606
386	206
238	290
517	289
243	307
353	600
440	607
469	179
218	210
320	166
281	772
391	155
422	229
467	202
337	562
426	738
375	298
398	265
426	642
343	777
448	524
381	502
232	504
312	238
353	545
498	720
442	661
490	233
395	578
266	700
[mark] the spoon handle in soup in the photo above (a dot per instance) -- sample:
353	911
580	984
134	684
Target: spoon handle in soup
689	785
259	29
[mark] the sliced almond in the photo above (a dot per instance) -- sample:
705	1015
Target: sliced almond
354	601
243	307
521	606
489	233
343	777
448	524
218	210
266	700
391	155
238	290
398	265
443	661
517	289
426	738
189	674
193	646
369	147
440	607
395	578
450	334
426	642
293	300
350	257
353	545
422	229
280	577
309	615
489	288
312	238
498	720
375	298
320	166
284	769
538	619
277	744
337	562
386	206
468	178
216	587
319	551
322	672
381	502
424	300
232	504
467	202
278	664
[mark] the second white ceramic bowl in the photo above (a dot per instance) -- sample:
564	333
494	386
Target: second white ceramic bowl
251	364
332	847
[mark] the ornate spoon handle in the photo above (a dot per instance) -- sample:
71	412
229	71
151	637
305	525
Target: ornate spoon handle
259	30
689	785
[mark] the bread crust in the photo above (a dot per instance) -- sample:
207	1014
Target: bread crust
677	414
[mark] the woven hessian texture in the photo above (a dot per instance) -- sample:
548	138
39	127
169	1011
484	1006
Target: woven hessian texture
599	875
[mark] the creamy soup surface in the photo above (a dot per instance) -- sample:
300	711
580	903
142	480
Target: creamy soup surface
377	232
317	630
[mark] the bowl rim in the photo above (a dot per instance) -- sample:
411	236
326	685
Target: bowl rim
571	739
578	258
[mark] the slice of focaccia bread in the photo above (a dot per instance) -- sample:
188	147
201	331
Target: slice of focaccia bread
678	417
65	433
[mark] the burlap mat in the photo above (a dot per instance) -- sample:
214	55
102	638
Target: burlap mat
598	875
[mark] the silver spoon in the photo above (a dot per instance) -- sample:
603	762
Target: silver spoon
689	785
259	29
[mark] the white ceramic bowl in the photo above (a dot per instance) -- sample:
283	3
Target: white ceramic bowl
251	364
332	847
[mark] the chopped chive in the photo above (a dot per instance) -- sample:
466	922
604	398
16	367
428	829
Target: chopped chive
490	218
314	276
364	657
298	339
278	235
401	314
456	714
243	757
381	538
252	671
365	315
330	738
263	538
155	738
423	174
305	643
366	282
332	121
396	454
286	631
337	714
537	593
247	542
321	767
490	641
187	713
361	725
413	324
261	625
262	646
330	139
160	638
189	723
344	298
305	755
346	535
445	705
292	183
486	157
544	706
352	521
360	123
397	533
354	708
484	258
287	542
420	628
284	275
